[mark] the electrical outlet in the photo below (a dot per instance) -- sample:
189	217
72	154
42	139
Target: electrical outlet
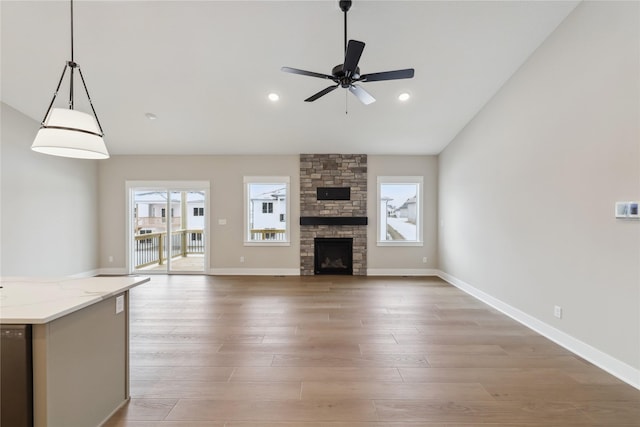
110	258
425	259
557	311
241	259
119	304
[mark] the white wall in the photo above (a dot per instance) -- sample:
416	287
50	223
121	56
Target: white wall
225	174
403	260
48	206
527	190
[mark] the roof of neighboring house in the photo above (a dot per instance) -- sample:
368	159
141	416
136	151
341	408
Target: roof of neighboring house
409	201
161	197
278	193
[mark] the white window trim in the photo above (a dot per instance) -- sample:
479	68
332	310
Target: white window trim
267	180
419	180
170	186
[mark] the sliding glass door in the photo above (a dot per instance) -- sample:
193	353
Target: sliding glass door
167	232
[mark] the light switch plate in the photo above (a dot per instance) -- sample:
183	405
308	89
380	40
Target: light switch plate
119	304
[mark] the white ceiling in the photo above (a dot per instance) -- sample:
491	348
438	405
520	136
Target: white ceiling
205	69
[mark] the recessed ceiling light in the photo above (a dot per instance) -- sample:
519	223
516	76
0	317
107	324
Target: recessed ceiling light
274	97
404	96
150	116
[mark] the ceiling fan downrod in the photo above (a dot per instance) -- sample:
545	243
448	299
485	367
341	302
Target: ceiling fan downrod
345	5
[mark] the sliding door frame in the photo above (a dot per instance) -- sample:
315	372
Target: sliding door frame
169	187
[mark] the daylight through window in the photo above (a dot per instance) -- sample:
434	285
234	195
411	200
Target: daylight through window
400	210
266	205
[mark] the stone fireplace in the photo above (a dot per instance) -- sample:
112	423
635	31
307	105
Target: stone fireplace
329	211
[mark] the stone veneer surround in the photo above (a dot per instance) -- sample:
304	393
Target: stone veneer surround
333	170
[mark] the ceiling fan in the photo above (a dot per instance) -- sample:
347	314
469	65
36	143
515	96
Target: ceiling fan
347	74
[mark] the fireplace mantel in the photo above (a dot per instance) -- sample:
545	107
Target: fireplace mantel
333	220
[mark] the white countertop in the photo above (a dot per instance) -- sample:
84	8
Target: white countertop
29	300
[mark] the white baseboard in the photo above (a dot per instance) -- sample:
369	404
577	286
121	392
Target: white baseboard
402	272
275	272
112	271
254	271
212	272
615	367
90	273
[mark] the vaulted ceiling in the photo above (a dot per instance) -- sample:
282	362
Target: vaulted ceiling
205	68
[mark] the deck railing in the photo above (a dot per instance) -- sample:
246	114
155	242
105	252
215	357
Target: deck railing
151	222
269	234
152	248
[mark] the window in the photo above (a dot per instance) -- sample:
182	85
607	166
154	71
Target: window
198	211
400	211
266	210
163	235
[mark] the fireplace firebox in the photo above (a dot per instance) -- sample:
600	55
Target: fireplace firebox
333	255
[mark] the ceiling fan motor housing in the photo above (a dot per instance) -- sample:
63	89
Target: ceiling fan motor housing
345	5
338	73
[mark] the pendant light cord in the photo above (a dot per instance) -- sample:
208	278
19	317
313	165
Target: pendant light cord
72	31
72	63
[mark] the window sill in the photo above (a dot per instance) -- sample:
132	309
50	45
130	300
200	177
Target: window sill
399	243
280	243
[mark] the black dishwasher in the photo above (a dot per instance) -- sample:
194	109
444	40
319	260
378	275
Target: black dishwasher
16	376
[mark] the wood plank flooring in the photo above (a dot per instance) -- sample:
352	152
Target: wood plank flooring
331	351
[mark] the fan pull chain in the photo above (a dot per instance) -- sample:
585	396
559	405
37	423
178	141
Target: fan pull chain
346	103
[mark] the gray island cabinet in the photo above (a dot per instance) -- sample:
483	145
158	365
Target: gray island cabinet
65	349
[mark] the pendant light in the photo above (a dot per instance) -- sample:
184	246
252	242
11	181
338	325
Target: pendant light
66	132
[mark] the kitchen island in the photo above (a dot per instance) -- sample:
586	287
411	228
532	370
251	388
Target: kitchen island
77	333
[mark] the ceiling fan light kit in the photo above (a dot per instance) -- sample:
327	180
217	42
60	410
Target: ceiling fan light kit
347	74
67	132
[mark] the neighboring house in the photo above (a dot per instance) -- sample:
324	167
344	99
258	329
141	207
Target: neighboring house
408	210
195	211
401	212
268	210
388	208
390	211
151	210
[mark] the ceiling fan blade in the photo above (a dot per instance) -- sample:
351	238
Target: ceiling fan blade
364	96
387	75
352	57
323	92
306	73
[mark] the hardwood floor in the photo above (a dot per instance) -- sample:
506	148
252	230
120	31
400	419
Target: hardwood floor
331	351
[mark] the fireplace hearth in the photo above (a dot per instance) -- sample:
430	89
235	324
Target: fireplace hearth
333	255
